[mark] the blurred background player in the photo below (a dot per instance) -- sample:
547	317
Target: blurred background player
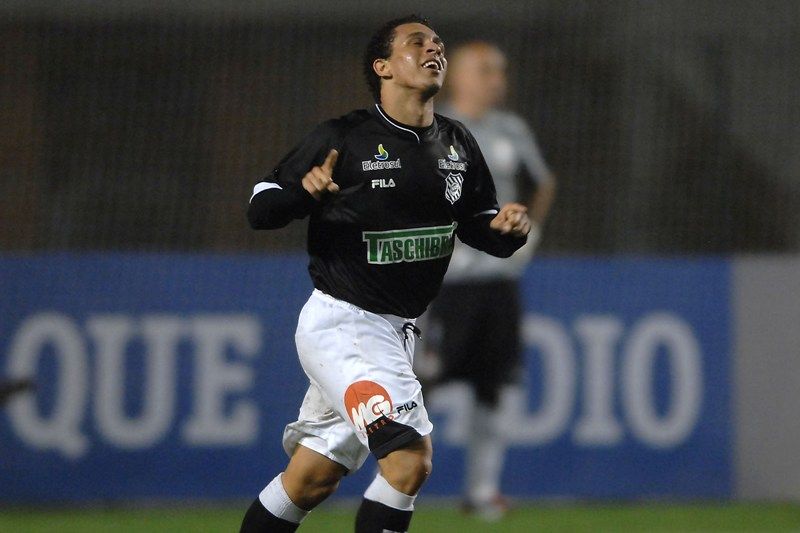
474	322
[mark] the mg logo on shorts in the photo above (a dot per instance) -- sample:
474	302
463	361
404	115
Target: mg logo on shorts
453	190
408	245
368	405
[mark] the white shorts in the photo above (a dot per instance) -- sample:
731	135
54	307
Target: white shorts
363	395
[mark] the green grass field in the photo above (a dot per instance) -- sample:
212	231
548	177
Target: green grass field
427	519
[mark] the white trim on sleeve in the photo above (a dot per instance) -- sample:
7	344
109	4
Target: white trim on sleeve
263	186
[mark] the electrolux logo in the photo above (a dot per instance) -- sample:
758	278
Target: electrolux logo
453	164
453	155
382	154
381	164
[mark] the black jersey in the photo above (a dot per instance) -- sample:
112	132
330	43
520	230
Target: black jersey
384	241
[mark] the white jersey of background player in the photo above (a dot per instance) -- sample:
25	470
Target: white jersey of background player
477	84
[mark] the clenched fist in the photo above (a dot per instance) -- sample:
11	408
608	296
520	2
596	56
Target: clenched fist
512	219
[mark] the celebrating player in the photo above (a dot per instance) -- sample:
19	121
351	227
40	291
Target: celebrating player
387	190
480	292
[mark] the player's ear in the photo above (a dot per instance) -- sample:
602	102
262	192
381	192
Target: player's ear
382	68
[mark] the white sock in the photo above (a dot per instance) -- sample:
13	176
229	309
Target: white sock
380	491
486	450
276	501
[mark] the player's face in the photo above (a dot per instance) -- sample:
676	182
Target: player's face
417	60
479	74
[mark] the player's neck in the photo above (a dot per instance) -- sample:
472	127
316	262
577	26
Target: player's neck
468	108
408	108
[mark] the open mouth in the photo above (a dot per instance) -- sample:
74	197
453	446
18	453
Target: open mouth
432	64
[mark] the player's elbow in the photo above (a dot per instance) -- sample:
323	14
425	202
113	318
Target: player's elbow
507	245
260	217
254	217
503	253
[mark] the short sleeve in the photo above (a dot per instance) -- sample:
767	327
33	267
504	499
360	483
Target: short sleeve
530	155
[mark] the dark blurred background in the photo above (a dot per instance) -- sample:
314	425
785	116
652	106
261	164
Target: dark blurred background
672	125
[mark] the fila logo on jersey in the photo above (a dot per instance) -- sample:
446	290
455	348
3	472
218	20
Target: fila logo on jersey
381	163
408	245
368	405
453	190
383	183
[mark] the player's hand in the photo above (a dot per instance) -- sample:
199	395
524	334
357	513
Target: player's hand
319	180
512	219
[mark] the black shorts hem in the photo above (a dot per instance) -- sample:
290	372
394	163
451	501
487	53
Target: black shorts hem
400	440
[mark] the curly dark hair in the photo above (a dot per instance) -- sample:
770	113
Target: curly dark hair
380	47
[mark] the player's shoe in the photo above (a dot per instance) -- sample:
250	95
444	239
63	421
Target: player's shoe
490	510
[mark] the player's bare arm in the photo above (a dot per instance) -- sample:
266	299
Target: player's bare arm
319	180
541	200
539	204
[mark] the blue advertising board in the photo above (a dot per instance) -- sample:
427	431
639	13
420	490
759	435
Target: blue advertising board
172	376
628	383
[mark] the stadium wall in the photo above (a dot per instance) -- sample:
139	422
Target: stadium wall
172	376
670	124
767	309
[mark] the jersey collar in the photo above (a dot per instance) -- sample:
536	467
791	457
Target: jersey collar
410	132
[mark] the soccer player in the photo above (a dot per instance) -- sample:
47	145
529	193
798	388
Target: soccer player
476	316
387	190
